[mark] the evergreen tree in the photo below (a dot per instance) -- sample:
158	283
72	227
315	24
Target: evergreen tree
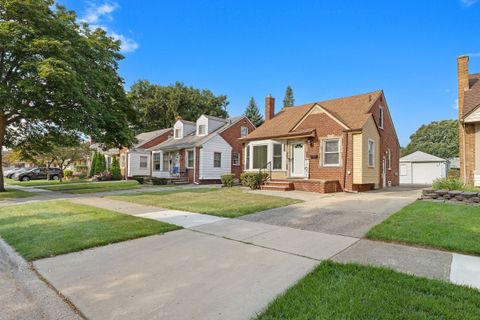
289	100
100	164
93	164
115	169
253	113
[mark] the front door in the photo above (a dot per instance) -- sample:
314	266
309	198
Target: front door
298	160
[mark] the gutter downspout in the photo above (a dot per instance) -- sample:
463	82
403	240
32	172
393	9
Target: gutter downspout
464	155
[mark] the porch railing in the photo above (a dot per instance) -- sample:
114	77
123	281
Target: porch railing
267	168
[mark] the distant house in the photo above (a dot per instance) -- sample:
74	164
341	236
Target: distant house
469	122
422	168
202	151
341	144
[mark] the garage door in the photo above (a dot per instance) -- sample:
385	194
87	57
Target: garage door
425	173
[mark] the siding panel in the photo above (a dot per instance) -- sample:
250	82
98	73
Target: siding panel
216	144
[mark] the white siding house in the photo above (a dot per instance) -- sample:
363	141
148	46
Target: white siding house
139	163
212	149
422	168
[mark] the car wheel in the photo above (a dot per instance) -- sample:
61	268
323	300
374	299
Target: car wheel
55	177
26	178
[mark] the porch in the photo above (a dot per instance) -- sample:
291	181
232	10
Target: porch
310	185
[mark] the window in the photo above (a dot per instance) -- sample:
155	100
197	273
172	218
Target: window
109	162
166	162
389	160
243	131
217	160
331	152
156	162
236	159
371	153
201	129
190	159
177	133
143	162
247	160
259	156
380	118
277	156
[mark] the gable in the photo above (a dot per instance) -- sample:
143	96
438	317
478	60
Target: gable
323	124
318	109
474	115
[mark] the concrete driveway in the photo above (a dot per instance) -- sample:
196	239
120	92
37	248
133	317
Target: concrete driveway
350	214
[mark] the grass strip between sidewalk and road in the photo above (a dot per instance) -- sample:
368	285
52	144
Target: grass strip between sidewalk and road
94	187
223	202
452	227
15	194
46	229
338	291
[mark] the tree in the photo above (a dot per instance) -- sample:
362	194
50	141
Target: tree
253	113
288	100
58	74
158	106
100	164
439	138
66	155
93	164
115	169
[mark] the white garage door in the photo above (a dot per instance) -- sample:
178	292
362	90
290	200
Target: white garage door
425	173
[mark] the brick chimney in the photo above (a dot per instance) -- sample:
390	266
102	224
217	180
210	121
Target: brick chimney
463	83
269	107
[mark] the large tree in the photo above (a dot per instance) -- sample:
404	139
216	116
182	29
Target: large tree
57	74
439	138
288	100
158	106
253	113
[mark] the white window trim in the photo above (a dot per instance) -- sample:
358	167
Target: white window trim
339	152
140	162
198	130
179	136
187	158
239	157
153	161
381	117
368	153
220	160
269	144
242	128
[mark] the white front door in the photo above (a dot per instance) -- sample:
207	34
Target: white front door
298	160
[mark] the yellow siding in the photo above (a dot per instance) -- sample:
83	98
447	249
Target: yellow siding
362	173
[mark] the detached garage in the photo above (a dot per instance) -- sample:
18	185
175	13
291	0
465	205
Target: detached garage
422	168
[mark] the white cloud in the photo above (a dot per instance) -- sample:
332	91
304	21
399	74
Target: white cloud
99	15
468	3
455	104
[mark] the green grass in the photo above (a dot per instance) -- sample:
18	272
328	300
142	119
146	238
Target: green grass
35	183
13	193
337	291
224	202
94	187
453	227
51	228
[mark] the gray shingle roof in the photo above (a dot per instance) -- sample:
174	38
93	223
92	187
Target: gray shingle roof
419	156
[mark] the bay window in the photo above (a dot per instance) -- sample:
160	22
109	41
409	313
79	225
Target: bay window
277	156
156	162
259	156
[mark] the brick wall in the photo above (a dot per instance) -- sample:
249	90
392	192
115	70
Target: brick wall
231	135
469	156
466	136
317	186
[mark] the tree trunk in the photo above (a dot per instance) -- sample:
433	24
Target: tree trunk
3	126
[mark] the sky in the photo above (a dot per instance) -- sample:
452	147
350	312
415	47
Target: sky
323	49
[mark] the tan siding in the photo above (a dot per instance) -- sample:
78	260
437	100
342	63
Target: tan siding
357	158
370	174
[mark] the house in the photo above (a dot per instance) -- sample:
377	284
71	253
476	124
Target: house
422	168
341	144
469	123
202	151
136	161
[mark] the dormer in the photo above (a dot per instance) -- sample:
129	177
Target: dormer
208	124
183	128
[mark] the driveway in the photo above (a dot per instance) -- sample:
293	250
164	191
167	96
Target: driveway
350	214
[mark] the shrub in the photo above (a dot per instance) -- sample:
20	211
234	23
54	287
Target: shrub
454	173
253	180
448	184
115	169
228	180
67	174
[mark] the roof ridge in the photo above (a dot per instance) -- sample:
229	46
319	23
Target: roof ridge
352	96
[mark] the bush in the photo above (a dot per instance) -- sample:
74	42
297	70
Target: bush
228	180
68	174
253	180
448	184
159	181
454	173
115	169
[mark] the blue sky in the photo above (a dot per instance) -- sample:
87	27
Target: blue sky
323	49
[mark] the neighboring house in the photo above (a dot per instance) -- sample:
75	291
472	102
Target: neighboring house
454	163
202	151
469	123
136	161
422	168
108	154
341	144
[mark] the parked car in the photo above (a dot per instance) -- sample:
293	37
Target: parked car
37	174
9	174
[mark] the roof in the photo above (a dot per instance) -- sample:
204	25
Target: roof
351	111
187	122
145	137
192	140
419	156
472	96
215	118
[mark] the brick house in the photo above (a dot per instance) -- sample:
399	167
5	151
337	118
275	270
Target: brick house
136	161
202	151
469	123
341	144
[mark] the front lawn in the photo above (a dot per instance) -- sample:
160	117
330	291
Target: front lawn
94	187
454	227
14	193
35	183
337	291
51	228
224	202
